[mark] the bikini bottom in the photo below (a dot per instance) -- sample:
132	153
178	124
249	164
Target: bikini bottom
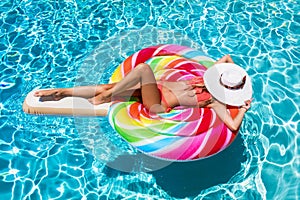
163	99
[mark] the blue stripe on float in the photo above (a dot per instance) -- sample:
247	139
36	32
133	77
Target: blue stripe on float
192	54
157	145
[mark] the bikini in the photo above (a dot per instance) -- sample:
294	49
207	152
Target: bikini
163	99
198	83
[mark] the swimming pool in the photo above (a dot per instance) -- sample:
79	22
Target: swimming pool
51	44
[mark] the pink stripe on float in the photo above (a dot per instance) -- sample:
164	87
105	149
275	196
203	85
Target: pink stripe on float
180	150
211	141
193	148
187	64
160	48
145	54
228	139
183	116
202	140
171	151
174	49
222	139
134	58
122	70
185	51
188	129
185	77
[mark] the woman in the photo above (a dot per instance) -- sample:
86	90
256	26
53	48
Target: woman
222	84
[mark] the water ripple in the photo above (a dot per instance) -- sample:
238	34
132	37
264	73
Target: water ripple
47	43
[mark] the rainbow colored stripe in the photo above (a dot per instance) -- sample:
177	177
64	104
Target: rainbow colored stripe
182	134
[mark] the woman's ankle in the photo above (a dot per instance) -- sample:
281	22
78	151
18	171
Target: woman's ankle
108	93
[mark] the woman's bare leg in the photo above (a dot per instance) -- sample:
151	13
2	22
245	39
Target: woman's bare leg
141	76
81	91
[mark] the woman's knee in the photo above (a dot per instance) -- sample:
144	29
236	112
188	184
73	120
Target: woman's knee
156	108
144	67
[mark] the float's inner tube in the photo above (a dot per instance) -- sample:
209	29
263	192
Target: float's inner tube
182	134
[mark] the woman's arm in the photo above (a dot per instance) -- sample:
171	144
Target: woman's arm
225	59
232	124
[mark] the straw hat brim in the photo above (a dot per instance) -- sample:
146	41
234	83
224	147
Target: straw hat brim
227	96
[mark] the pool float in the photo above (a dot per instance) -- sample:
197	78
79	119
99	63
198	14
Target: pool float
183	134
65	106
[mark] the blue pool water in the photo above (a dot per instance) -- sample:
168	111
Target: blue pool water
63	43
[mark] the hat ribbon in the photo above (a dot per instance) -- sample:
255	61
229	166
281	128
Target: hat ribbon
237	87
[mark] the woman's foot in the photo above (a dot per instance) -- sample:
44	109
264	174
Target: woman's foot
52	94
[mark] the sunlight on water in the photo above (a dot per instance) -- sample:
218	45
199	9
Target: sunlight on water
56	43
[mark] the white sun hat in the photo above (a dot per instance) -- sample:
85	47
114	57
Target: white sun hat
228	83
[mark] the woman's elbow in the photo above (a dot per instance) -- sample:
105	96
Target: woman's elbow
233	128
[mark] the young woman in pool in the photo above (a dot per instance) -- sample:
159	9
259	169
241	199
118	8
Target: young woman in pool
223	84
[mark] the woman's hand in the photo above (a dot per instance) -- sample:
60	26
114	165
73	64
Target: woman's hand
247	105
225	59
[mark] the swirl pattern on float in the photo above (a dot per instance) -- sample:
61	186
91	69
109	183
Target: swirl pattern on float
185	133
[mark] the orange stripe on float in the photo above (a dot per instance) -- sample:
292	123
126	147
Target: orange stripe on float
127	66
175	62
